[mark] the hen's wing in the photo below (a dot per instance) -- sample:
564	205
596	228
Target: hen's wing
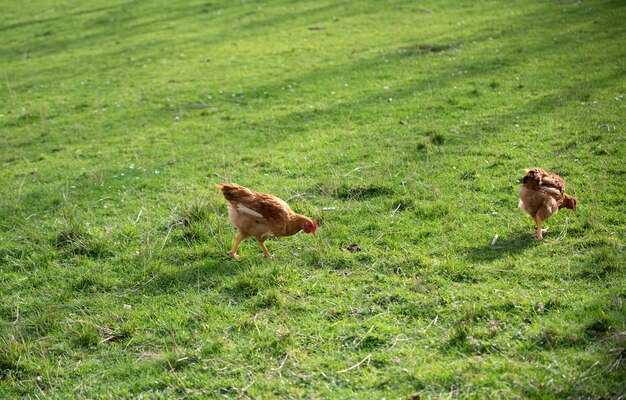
255	204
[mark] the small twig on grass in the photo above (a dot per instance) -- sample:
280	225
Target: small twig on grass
296	196
138	216
255	325
396	340
17	314
169	232
364	336
434	321
282	364
219	176
357	169
37	380
30	216
583	378
128	344
561	235
396	210
357	364
379	237
107	339
19	188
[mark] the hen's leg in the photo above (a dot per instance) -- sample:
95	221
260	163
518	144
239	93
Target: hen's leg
539	233
233	252
267	253
543	214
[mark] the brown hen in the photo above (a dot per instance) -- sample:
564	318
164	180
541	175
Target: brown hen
261	216
543	194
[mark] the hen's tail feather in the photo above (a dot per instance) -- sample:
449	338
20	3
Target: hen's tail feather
546	181
531	175
232	191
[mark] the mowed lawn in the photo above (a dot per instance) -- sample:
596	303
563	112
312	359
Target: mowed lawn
403	127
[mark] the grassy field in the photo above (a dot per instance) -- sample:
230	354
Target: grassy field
402	127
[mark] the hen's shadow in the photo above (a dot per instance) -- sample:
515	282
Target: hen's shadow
511	243
205	270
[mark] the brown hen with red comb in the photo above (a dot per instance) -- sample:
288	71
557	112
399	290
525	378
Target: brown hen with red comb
261	215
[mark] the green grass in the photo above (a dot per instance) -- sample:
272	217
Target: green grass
402	127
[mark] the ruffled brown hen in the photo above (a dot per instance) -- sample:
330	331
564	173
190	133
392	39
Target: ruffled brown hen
542	195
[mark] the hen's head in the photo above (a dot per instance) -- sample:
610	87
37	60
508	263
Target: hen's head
570	202
309	226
